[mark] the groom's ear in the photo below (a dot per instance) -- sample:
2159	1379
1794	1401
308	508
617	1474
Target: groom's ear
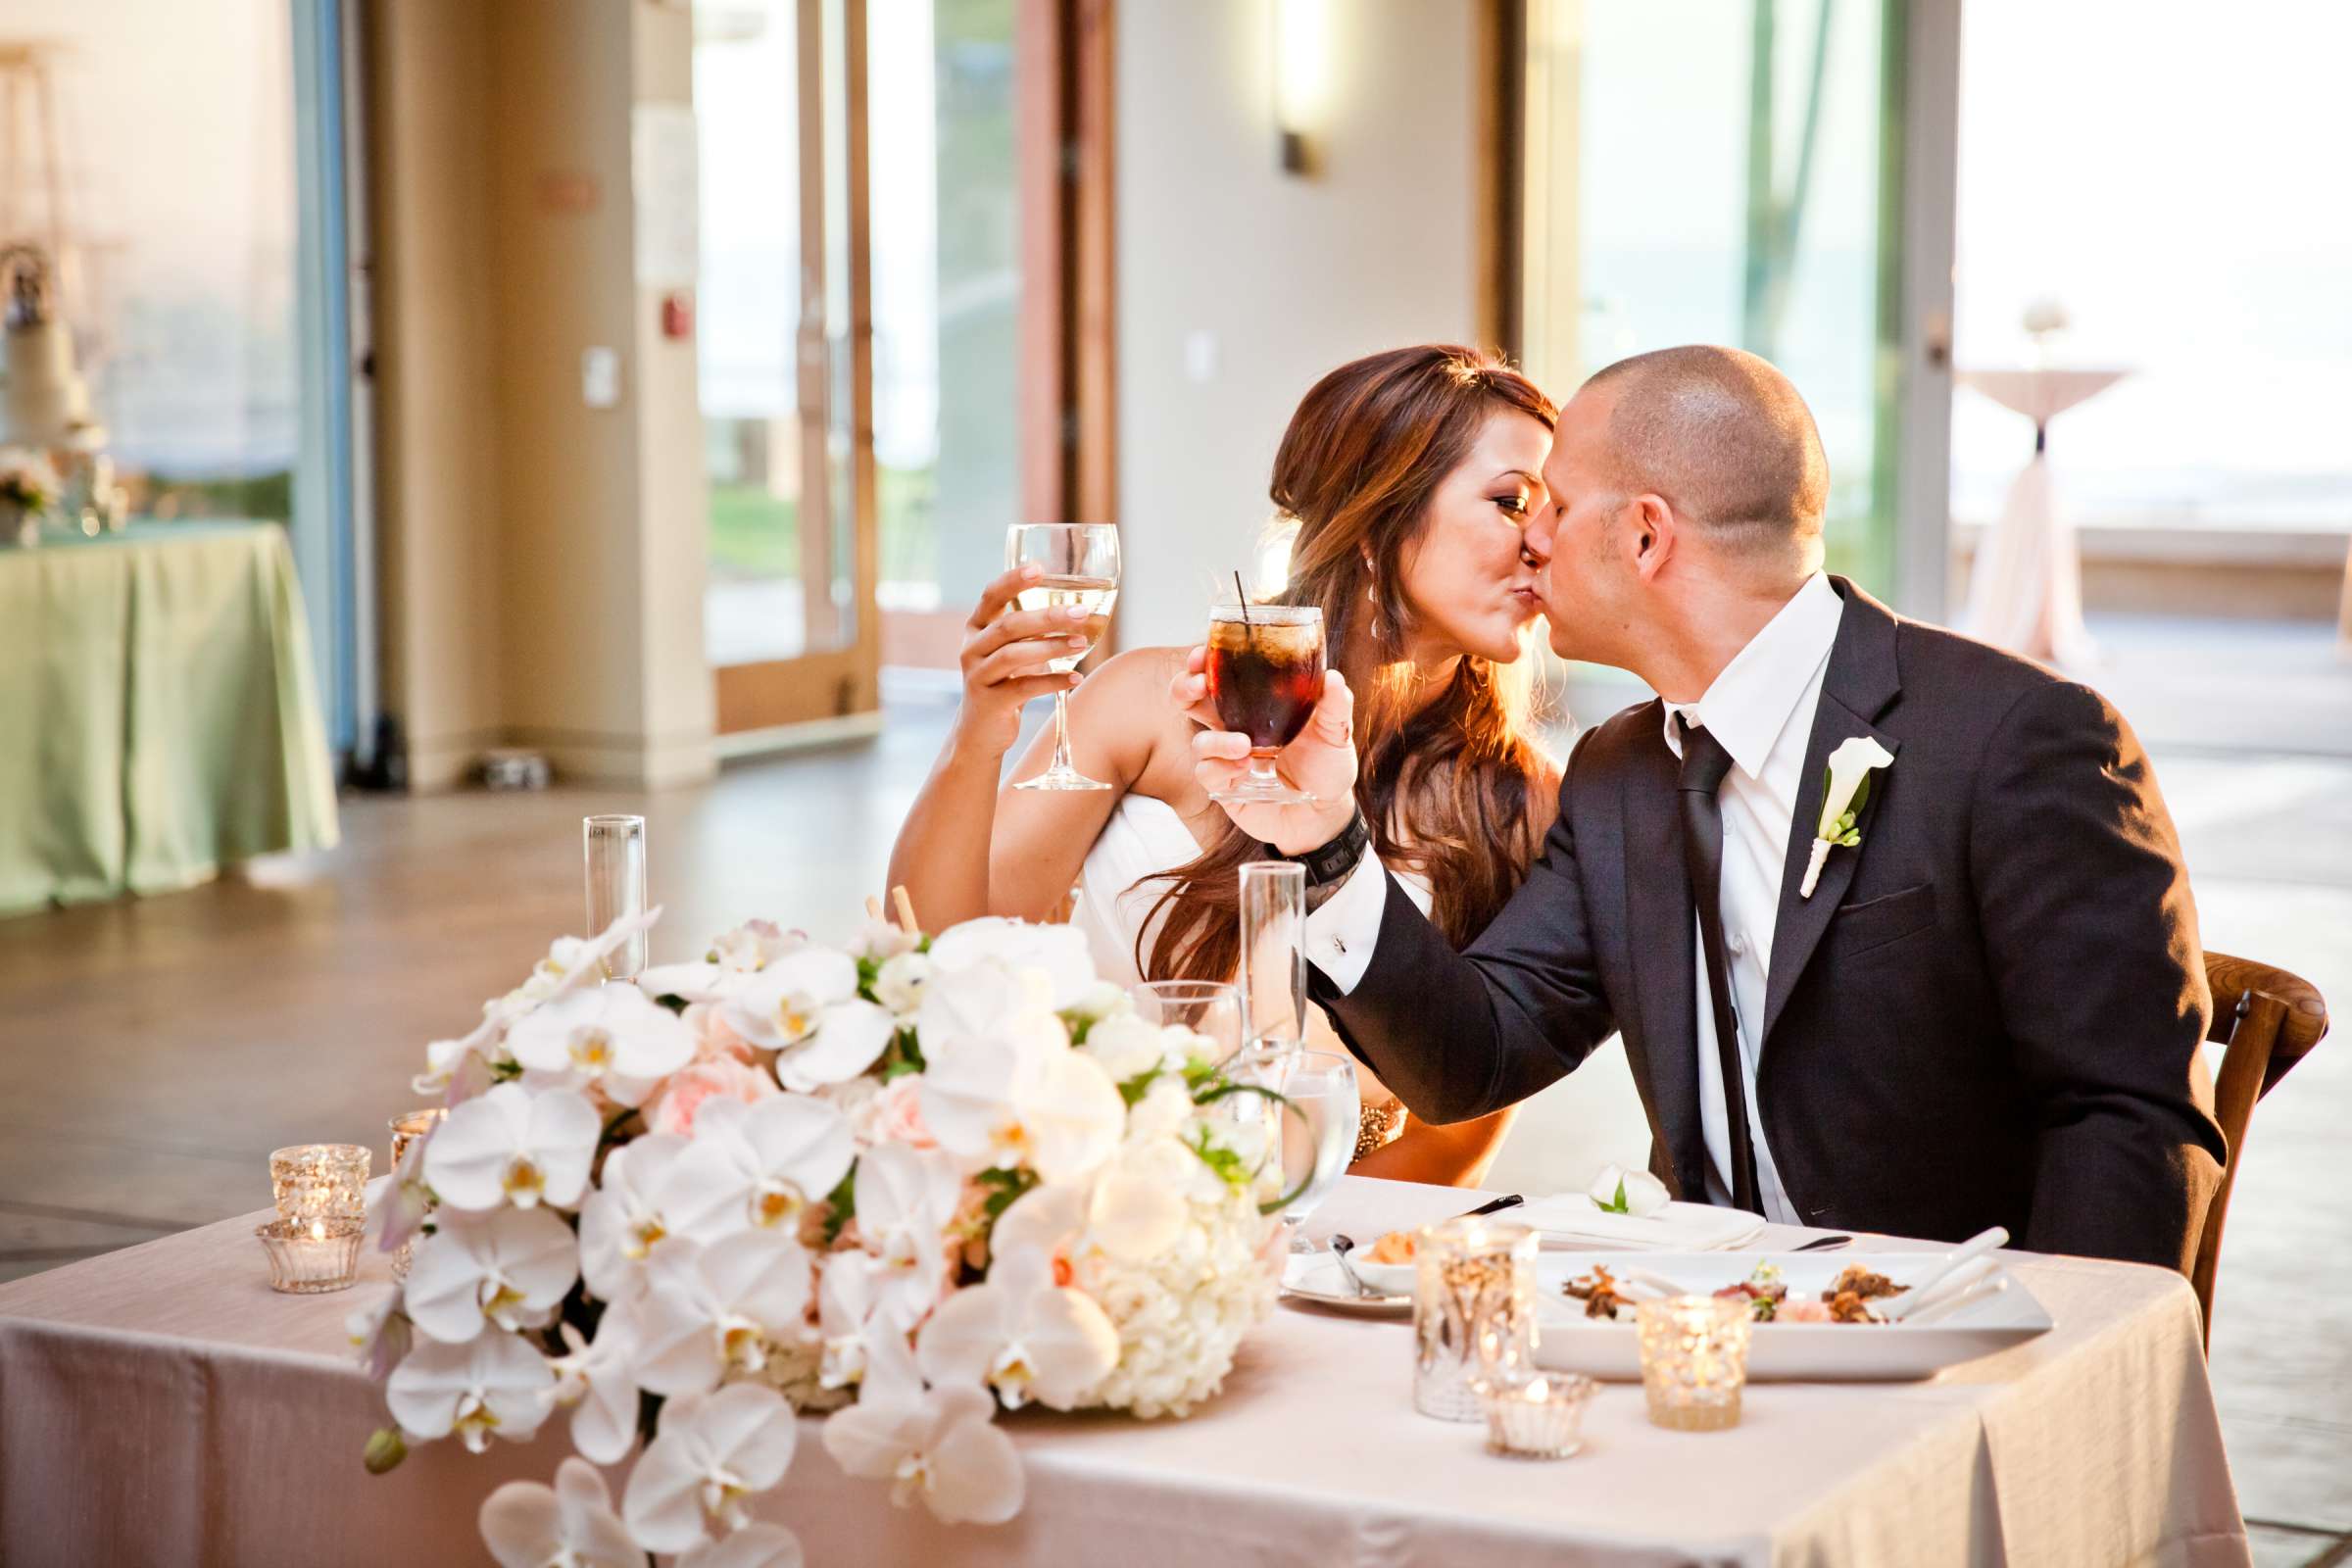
1651	533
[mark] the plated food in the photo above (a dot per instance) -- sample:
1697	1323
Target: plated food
1845	1300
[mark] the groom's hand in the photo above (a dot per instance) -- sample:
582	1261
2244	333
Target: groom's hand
1321	762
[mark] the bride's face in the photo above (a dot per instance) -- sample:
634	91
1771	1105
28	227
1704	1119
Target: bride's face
1464	576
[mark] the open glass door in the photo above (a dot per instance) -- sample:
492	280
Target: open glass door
786	366
1703	172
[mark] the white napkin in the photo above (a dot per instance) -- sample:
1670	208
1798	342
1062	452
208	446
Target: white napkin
1574	1219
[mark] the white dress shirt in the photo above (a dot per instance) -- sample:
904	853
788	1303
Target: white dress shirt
1761	708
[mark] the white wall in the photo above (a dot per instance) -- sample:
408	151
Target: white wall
1287	276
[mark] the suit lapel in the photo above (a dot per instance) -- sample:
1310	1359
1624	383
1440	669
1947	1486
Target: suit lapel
1860	684
1665	946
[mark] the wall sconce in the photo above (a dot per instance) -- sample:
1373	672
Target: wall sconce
1302	80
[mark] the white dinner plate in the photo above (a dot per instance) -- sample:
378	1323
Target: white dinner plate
1315	1277
1810	1352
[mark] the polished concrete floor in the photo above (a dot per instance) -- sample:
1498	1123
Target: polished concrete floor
152	1052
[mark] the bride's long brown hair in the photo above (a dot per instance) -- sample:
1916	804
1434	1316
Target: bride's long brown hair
1443	785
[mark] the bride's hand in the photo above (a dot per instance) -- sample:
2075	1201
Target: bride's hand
1321	762
1005	652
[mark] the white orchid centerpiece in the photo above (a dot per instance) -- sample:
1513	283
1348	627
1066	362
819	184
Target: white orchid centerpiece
908	1183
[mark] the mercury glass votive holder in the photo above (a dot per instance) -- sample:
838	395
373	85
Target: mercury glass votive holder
309	1257
1474	1313
321	1181
406	1128
1536	1417
1694	1360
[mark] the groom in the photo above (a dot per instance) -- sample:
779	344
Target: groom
1989	1008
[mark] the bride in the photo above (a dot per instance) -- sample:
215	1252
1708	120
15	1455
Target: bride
1410	475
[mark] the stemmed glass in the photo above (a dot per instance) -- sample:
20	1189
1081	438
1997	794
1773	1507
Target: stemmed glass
1273	973
1210	1008
1081	565
1312	1137
1266	675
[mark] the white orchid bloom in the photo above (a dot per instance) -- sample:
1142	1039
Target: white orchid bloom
495	1385
758	1166
1057	951
609	1036
381	1334
786	1004
513	1146
1000	1102
569	1525
845	1314
899	984
596	1382
1132	1210
938	1446
575	963
505	1269
726	966
984	1001
757	1545
905	1198
881	939
851	1035
1126	1045
711	1451
714	1311
627	1214
1022	1335
446	1059
1628	1192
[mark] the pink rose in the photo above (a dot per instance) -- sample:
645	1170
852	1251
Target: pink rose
898	1116
714	1039
672	1110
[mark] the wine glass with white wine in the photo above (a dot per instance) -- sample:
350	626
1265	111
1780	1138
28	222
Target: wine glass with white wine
1081	566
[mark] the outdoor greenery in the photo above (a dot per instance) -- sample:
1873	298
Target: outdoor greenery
756	534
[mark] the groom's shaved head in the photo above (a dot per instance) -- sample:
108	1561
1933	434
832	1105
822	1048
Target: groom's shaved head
1726	440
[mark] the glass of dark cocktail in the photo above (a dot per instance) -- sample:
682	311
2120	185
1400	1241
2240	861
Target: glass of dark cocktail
1266	675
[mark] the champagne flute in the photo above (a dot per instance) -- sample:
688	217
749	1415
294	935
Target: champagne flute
614	848
1266	675
1273	973
1081	565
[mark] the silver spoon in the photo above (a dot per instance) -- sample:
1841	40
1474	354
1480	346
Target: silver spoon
1340	1246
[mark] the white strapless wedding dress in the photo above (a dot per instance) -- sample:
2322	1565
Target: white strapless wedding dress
1145	838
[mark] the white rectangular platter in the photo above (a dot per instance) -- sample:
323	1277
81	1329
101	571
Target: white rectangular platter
1808	1353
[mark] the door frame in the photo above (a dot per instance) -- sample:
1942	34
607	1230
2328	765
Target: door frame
831	683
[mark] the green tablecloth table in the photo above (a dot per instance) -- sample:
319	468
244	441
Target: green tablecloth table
158	717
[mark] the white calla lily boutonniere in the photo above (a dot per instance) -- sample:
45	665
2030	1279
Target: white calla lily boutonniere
1843	796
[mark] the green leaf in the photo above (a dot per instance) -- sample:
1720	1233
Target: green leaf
1854	807
1135	1088
1228	1164
1618	1204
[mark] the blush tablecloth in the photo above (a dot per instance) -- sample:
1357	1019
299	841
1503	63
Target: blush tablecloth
159	1406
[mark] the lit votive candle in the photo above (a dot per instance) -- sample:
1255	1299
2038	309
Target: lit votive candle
1474	1311
1694	1360
1537	1418
308	1256
407	1129
320	1181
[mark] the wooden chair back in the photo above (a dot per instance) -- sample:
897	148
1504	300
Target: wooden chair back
2266	1020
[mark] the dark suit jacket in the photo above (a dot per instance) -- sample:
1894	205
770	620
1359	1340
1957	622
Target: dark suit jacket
1990	1012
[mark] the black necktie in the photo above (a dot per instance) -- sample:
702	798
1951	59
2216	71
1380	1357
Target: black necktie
1704	765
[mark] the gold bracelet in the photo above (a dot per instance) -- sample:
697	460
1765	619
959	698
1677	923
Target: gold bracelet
1378	1126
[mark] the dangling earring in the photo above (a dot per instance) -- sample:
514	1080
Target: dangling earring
1380	633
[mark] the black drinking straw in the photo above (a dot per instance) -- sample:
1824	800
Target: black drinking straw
1243	595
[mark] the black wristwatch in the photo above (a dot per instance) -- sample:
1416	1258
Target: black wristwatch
1329	865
